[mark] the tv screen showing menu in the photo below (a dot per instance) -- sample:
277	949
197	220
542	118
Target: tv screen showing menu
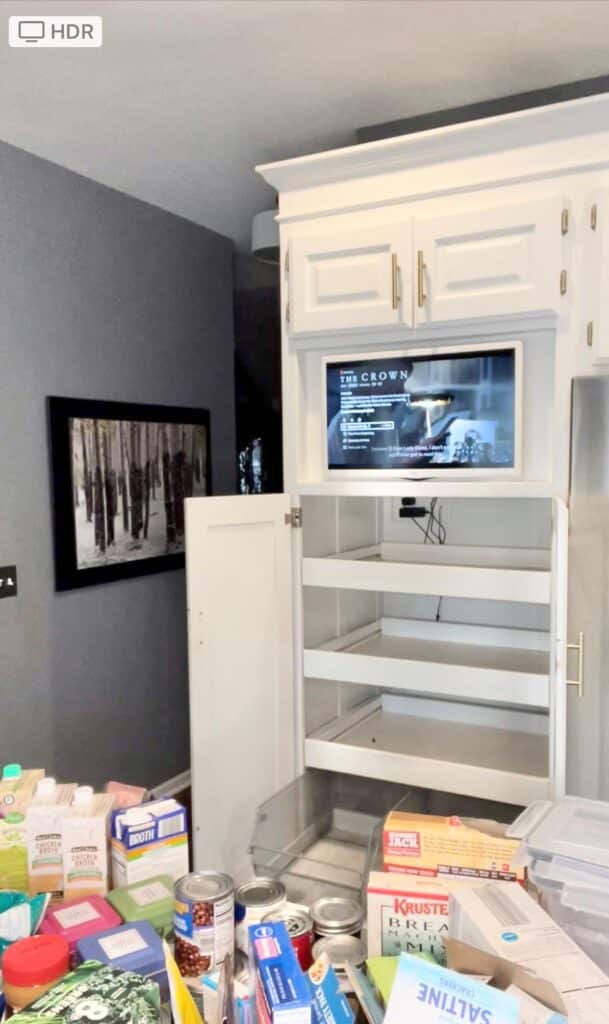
453	410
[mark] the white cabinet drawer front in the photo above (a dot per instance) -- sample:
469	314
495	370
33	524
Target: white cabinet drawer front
351	280
490	262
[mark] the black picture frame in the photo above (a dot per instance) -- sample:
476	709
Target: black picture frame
61	413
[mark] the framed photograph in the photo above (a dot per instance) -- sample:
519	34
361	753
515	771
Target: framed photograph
121	473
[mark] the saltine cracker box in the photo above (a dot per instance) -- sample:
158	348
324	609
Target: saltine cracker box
149	840
425	844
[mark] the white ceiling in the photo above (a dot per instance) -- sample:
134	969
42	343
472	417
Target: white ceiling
185	97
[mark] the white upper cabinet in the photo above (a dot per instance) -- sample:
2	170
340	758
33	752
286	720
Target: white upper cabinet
351	280
489	262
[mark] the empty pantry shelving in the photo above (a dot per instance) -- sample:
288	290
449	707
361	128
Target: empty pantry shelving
455	748
493	574
441	659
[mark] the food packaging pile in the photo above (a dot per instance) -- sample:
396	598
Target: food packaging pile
100	919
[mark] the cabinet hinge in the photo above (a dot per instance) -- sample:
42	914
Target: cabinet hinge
294	518
563	282
287	261
593	216
589	333
287	312
564	221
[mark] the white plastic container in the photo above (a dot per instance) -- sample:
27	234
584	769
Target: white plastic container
566	846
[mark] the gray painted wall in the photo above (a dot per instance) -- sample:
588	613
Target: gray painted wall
101	296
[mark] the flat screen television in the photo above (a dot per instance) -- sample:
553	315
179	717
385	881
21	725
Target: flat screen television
424	412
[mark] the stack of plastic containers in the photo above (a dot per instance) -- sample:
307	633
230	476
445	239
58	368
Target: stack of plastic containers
566	845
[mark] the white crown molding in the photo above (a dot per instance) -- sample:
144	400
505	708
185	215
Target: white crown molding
537	126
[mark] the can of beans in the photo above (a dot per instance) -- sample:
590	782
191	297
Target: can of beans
300	929
204	922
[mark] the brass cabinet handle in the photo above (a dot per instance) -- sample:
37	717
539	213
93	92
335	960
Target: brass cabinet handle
395	291
579	682
421	296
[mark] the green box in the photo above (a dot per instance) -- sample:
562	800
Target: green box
149	900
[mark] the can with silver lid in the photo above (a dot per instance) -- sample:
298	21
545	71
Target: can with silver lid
336	915
341	949
299	928
204	922
253	901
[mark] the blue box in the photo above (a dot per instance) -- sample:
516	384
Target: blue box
330	1005
282	993
132	947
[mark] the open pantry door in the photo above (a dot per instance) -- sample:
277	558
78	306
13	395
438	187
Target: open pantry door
242	720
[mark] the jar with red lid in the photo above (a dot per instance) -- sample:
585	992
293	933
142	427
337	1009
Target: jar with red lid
30	967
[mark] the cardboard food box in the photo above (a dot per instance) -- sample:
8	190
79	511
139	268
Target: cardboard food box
422	844
505	921
409	915
430	994
282	993
330	1004
96	993
539	1001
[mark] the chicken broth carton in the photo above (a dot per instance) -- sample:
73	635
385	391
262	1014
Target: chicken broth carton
44	829
85	843
424	844
410	915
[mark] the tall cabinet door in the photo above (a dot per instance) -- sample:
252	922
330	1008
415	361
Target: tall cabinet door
239	586
352	279
588	594
489	262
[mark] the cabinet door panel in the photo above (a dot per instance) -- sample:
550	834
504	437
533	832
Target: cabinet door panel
489	262
240	638
350	280
588	610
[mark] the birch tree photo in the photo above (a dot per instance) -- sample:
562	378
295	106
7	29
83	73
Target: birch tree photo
129	481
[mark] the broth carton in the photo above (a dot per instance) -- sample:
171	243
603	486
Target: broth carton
149	840
424	844
85	844
13	843
44	830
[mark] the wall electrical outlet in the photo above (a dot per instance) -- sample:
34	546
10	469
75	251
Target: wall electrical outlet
8	581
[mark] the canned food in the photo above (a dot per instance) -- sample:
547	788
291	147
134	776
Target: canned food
300	930
253	901
341	949
204	922
336	915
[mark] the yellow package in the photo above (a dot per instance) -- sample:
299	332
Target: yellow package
422	844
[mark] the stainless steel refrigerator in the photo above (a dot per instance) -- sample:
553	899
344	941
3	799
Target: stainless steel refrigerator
588	591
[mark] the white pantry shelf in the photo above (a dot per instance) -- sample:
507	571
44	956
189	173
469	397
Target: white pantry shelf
440	659
493	574
457	756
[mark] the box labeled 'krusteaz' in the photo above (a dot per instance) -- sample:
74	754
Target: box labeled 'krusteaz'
149	840
410	915
282	993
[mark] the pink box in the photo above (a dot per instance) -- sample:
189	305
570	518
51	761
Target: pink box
76	919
